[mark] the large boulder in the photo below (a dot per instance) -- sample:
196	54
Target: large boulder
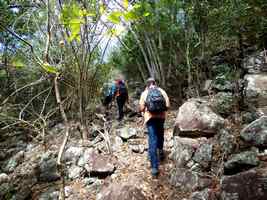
72	154
5	185
183	150
99	165
203	155
23	179
256	63
224	103
121	192
75	172
196	119
241	161
188	180
226	141
256	133
127	132
248	185
249	116
256	90
48	167
14	162
220	83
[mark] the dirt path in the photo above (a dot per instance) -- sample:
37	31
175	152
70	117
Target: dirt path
134	168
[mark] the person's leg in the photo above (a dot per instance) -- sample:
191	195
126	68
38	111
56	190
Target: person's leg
152	145
120	107
160	134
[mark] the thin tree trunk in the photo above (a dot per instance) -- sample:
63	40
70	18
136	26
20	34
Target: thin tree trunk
66	137
141	71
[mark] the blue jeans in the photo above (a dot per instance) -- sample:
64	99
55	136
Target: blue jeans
155	127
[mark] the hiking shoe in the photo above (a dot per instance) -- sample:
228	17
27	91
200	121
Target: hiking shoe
154	172
161	155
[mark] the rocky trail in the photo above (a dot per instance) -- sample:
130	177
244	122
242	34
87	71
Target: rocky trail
132	175
214	151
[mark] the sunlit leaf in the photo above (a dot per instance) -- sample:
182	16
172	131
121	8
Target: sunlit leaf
146	14
49	68
125	3
137	6
18	63
102	9
130	16
116	31
114	17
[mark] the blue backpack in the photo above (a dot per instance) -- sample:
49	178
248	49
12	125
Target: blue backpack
155	101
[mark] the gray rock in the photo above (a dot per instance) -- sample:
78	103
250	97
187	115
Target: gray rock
203	155
73	154
220	83
50	194
99	165
121	192
75	172
5	190
137	148
23	179
256	133
249	116
183	149
88	181
224	103
116	143
241	161
226	142
256	63
4	178
196	119
2	155
206	194
48	168
256	90
85	157
127	132
14	162
248	185
188	180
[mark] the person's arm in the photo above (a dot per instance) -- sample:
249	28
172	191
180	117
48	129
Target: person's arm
166	98
142	103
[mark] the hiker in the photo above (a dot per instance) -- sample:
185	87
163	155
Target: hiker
120	92
106	95
154	103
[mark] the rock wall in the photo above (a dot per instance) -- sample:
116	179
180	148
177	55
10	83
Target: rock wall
219	151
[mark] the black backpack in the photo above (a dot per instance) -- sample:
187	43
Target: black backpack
122	89
155	101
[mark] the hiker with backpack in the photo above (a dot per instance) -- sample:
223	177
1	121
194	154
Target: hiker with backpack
154	103
119	92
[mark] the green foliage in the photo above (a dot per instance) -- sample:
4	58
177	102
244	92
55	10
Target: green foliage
72	18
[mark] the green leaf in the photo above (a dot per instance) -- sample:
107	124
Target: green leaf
125	4
18	63
102	9
146	14
114	17
130	16
49	68
137	6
